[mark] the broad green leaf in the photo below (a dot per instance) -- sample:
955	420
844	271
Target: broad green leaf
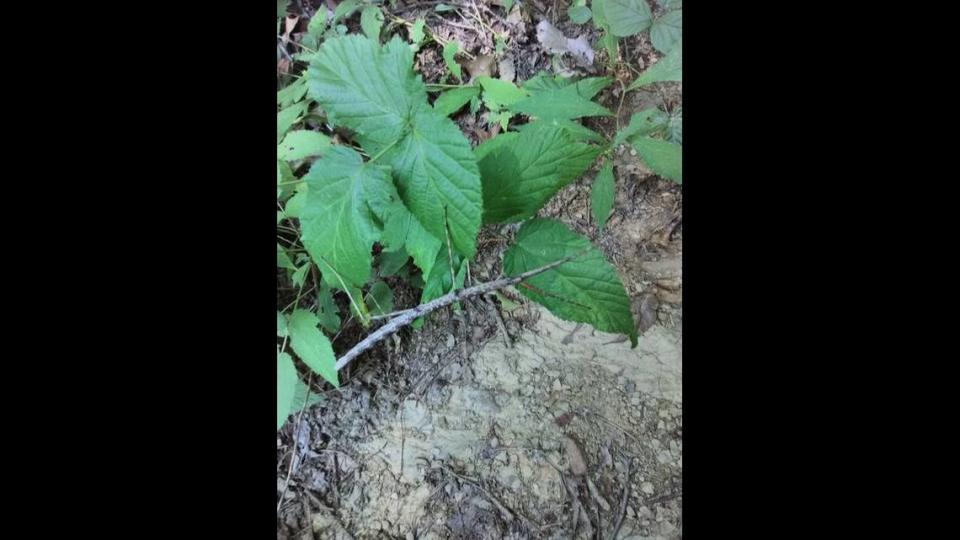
668	68
565	103
292	93
318	23
283	260
579	14
345	9
645	122
453	100
438	180
288	117
504	139
520	177
285	179
440	279
625	17
295	204
337	225
675	126
602	194
450	51
371	20
281	325
380	298
327	311
312	346
586	88
403	231
670	4
416	33
499	93
392	261
664	158
578	132
302	143
585	289
667	31
367	88
286	386
373	91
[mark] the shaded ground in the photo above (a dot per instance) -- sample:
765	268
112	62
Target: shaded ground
448	432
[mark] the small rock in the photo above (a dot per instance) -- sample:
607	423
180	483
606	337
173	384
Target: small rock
647	488
557	386
450	341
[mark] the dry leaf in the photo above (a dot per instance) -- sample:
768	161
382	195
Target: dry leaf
481	66
554	42
506	69
578	465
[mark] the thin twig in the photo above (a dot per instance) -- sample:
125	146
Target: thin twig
623	502
445	300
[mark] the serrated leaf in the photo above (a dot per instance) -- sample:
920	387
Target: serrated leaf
392	261
499	93
578	132
312	346
586	88
286	386
438	178
579	14
488	146
336	222
302	143
602	194
625	17
285	179
281	325
416	33
403	231
283	260
327	311
288	117
669	68
371	21
367	88
664	158
345	9
303	394
380	298
518	178
453	100
667	31
295	204
318	23
645	122
450	50
585	289
565	103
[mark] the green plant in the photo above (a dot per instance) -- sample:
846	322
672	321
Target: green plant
400	192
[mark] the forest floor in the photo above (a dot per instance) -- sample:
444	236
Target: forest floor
554	431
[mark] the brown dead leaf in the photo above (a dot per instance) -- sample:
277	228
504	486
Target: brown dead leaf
578	465
290	23
648	312
481	66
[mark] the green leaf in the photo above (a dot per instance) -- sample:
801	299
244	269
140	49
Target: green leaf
392	261
669	68
586	289
302	143
295	204
285	178
521	176
645	122
337	225
508	5
292	93
371	20
416	33
380	298
579	14
453	100
345	9
282	8
303	394
438	180
367	88
288	117
286	385
312	346
402	231
318	23
564	103
281	325
602	194
577	131
667	31
327	311
300	275
664	158
283	260
625	17
499	93
450	51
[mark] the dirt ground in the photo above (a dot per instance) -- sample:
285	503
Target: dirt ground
554	430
